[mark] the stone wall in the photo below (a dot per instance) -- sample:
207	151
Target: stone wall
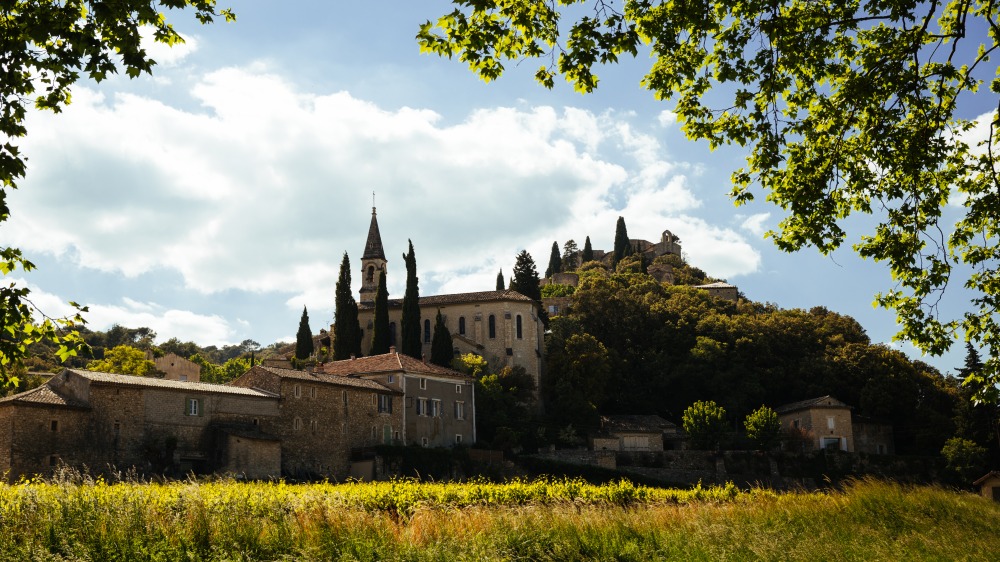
442	428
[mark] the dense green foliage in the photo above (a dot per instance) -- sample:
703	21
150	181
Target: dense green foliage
845	107
705	422
410	328
380	327
303	338
442	350
346	329
525	281
588	252
46	48
124	360
569	256
668	347
763	427
622	245
557	290
555	261
520	520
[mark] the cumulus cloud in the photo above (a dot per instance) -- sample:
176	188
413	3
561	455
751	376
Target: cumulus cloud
667	118
263	187
166	55
168	323
755	224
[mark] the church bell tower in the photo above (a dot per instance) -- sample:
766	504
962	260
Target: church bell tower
372	262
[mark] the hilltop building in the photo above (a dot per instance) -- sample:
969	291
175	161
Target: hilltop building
501	326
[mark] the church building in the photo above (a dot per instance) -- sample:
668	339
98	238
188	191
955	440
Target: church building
503	327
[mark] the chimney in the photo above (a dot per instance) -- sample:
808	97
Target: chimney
352	357
392	349
423	358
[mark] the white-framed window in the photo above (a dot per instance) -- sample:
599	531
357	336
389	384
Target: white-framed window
297	390
312	392
313	426
829	422
458	438
423	408
459	410
192	407
423	384
297	424
384	404
391	379
458	389
436	408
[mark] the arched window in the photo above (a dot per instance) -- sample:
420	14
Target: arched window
392	333
519	326
461	325
427	331
371	273
493	326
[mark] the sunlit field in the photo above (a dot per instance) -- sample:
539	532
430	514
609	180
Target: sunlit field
520	520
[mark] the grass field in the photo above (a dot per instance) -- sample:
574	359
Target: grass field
537	520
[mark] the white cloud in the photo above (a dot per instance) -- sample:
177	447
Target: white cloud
755	224
265	186
667	118
167	323
165	55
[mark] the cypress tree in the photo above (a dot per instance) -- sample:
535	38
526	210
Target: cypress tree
500	285
380	329
303	339
410	323
346	330
525	281
555	261
622	246
588	252
441	346
569	256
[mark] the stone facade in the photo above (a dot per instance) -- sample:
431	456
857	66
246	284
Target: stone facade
438	403
636	433
101	420
825	420
323	419
872	436
721	290
176	368
989	486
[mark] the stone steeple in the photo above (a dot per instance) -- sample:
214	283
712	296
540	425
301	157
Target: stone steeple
372	262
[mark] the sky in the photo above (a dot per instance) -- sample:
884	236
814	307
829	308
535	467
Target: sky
216	198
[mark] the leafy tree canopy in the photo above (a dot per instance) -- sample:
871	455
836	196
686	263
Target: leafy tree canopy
124	360
845	107
763	427
705	422
46	47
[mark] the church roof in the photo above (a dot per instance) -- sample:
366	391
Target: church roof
392	362
373	247
457	298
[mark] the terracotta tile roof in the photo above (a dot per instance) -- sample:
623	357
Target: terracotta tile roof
150	382
325	378
43	395
457	298
823	401
393	362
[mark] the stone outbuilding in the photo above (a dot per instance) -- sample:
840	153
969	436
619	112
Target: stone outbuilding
825	422
637	433
176	368
989	485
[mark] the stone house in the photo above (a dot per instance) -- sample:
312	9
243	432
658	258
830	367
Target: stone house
438	404
176	368
637	433
826	422
102	420
989	485
324	419
721	290
501	326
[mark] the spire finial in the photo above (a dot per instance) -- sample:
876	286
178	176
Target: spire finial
373	202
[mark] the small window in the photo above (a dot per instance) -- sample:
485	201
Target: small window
54	425
518	326
384	404
395	435
313	426
312	392
829	422
117	427
427	331
423	442
461	325
343	428
392	378
183	378
423	384
193	407
297	390
459	410
297	424
374	432
458	438
371	273
493	326
458	389
436	408
256	421
422	407
795	424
